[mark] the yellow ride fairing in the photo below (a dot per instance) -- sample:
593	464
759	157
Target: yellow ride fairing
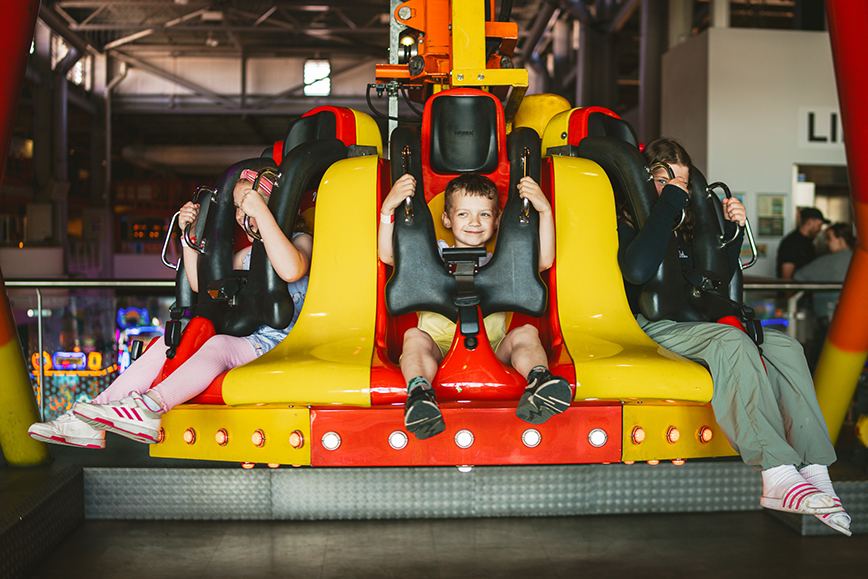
367	132
271	434
671	431
326	359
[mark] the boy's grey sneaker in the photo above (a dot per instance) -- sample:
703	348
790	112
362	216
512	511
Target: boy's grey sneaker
129	417
422	416
68	430
545	396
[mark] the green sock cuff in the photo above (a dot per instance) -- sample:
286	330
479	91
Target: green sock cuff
417	382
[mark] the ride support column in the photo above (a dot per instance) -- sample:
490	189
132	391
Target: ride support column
846	348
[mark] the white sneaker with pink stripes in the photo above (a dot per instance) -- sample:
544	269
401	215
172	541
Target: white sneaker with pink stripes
128	417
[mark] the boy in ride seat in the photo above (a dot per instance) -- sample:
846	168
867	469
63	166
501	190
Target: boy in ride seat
471	212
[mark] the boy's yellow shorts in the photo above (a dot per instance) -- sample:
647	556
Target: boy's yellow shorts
442	329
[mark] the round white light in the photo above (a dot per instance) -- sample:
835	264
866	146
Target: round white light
598	437
463	439
531	437
398	439
331	440
465	468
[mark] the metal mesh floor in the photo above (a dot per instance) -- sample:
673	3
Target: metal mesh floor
402	493
443	492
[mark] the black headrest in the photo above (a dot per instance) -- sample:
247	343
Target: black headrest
602	125
322	125
463	134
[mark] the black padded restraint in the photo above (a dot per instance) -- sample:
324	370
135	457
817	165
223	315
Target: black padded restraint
672	293
708	251
509	282
218	231
265	299
419	281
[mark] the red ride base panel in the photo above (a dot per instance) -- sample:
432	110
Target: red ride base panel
497	437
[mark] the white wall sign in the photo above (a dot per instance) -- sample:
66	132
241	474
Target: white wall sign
820	127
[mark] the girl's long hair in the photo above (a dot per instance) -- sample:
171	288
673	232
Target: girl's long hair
671	152
300	225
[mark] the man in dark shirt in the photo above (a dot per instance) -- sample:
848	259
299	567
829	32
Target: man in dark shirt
797	248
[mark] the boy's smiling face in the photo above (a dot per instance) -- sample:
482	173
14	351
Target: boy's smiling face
473	219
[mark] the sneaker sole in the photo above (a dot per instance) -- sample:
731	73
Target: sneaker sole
428	422
427	427
538	407
109	426
65	441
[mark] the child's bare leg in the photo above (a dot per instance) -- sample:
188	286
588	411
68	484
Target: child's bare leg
545	394
419	362
522	349
420	356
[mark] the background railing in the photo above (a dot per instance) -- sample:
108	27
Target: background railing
83	328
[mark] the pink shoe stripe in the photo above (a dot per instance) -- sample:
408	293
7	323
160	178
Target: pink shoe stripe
842	512
794	497
136	413
118	411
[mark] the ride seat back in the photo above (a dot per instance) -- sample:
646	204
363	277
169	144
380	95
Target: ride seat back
567	129
355	130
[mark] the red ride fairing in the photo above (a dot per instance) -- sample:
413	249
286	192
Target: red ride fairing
16	396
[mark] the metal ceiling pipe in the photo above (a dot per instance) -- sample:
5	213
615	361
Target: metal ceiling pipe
538	28
108	129
578	10
531	41
206	160
54	21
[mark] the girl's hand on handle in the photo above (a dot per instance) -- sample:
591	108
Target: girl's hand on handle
733	210
679	182
249	201
189	213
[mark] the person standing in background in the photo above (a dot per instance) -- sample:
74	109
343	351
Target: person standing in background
797	249
831	266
